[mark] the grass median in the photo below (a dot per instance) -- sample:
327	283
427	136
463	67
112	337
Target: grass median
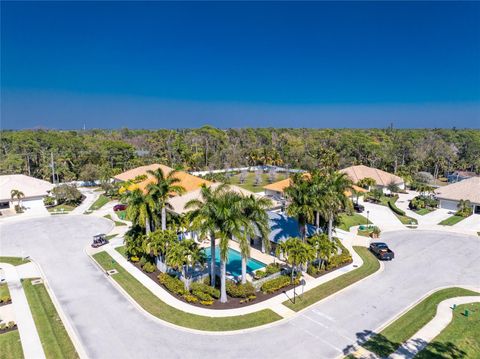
101	201
14	261
370	265
152	304
402	329
450	221
55	340
10	345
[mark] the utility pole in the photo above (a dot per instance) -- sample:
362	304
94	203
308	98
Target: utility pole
53	167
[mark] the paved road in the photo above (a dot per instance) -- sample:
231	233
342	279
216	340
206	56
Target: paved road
110	327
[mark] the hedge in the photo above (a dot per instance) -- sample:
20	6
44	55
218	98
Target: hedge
202	287
240	290
395	209
173	284
277	283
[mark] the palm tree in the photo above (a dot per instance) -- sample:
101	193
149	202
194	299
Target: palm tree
140	208
302	203
334	200
205	218
254	210
393	187
16	194
296	253
318	189
464	207
157	243
161	190
185	255
366	182
324	248
134	241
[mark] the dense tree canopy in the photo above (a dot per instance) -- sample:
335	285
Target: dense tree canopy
80	154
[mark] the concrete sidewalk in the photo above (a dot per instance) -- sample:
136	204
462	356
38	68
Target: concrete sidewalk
274	303
32	347
425	335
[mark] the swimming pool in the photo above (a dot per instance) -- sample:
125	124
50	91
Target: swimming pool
234	264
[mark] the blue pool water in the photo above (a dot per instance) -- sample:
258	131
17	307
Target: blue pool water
234	264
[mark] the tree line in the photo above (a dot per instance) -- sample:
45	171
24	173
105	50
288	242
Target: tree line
97	154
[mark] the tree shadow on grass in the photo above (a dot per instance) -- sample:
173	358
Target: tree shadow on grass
383	347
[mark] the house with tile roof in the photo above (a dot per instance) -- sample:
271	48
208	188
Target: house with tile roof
469	189
381	178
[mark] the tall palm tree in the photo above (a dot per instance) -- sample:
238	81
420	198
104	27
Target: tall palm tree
334	200
161	190
318	187
302	204
324	247
157	243
16	194
140	208
296	253
253	209
205	218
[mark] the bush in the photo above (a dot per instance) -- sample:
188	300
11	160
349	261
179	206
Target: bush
248	299
394	208
68	194
272	268
202	296
205	288
190	298
134	259
5	299
173	284
206	302
18	209
48	201
314	270
149	267
142	261
277	283
260	274
240	290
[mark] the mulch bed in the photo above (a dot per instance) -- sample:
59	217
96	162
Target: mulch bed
331	270
231	303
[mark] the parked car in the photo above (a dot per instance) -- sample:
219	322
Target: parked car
358	208
119	207
382	251
99	240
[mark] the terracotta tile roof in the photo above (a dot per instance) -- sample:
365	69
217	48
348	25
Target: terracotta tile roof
465	189
187	181
278	186
382	178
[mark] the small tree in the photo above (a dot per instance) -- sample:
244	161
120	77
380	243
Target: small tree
67	194
324	248
18	195
464	208
366	183
393	187
376	194
296	253
90	173
258	178
185	255
272	175
243	176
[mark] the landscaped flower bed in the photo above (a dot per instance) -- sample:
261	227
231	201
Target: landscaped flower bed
7	327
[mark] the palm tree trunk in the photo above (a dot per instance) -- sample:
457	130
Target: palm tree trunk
212	260
223	287
244	270
164	218
330	227
317	221
147	226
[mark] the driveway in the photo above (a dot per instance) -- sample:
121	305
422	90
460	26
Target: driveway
110	327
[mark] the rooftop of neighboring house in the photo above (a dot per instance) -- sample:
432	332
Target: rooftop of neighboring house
187	181
468	189
382	178
464	174
30	186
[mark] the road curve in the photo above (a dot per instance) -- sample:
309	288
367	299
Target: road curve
110	327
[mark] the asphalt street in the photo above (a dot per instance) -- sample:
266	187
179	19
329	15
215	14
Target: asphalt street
110	327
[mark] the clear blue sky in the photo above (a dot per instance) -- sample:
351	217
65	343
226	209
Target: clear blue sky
236	64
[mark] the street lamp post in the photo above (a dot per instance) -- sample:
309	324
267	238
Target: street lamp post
368	212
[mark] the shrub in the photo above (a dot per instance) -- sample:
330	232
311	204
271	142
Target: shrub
11	324
190	298
278	283
260	274
206	302
48	201
134	259
314	270
248	299
202	296
68	194
3	326
149	267
272	268
173	284
202	287
240	290
18	209
142	261
5	299
394	208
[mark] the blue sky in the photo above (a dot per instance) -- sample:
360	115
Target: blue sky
236	64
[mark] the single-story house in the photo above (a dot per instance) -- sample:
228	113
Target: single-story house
381	178
141	178
469	189
458	176
33	189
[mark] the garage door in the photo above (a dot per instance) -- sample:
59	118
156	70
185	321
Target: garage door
34	206
451	205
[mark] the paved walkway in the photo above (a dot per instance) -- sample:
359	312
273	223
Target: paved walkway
425	335
32	347
274	303
90	197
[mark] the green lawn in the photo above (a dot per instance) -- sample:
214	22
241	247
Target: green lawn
353	220
101	201
424	211
4	292
152	304
61	208
110	236
389	339
450	221
10	345
16	261
122	251
405	219
370	265
55	340
250	180
117	223
460	339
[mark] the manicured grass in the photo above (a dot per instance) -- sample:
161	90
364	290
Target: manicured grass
348	221
152	304
402	329
10	345
117	223
122	250
424	211
370	265
16	261
110	236
61	208
405	219
4	292
450	221
55	340
460	339
101	201
249	183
